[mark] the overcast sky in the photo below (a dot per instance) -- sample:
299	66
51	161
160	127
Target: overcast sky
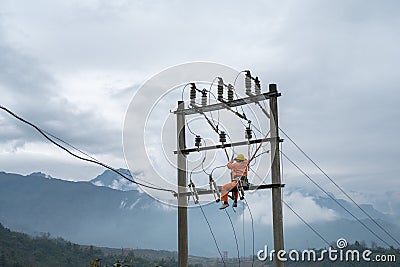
72	67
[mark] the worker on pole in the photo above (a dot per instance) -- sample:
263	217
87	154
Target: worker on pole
239	169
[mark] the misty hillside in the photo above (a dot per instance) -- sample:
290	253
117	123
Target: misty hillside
112	180
97	215
81	212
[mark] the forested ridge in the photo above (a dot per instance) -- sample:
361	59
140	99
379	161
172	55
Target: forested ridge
22	250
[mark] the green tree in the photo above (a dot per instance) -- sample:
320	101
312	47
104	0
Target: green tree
3	262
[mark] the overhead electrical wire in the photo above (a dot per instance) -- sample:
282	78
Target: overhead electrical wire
215	128
234	234
71	146
95	161
230	220
252	229
335	200
263	180
306	223
92	160
244	234
212	233
233	229
198	166
183	90
341	190
204	215
298	216
88	155
337	186
303	220
190	130
250	150
218	167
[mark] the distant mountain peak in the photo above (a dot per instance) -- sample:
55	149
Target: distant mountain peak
113	180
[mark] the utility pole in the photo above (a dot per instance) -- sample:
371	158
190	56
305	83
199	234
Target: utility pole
276	175
182	199
181	152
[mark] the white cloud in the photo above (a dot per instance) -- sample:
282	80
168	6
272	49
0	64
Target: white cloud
72	67
305	206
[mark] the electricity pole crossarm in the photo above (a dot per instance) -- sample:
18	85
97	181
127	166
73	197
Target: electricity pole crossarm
241	143
201	191
231	104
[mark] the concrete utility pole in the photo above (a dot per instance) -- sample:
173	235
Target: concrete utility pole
182	200
276	175
182	151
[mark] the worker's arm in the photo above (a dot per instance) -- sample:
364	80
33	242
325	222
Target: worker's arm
230	165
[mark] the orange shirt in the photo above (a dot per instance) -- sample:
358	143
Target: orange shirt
239	168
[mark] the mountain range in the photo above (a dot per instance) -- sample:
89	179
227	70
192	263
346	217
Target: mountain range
106	211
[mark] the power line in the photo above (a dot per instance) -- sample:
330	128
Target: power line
315	231
215	128
252	229
337	202
233	228
309	226
244	236
298	215
347	195
194	108
92	160
304	221
88	155
190	130
234	234
212	233
183	90
73	147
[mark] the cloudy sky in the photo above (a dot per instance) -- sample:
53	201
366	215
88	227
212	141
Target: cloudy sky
72	67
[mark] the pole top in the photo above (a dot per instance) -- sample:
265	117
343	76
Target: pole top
272	88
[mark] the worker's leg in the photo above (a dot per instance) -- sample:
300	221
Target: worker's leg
225	190
235	198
